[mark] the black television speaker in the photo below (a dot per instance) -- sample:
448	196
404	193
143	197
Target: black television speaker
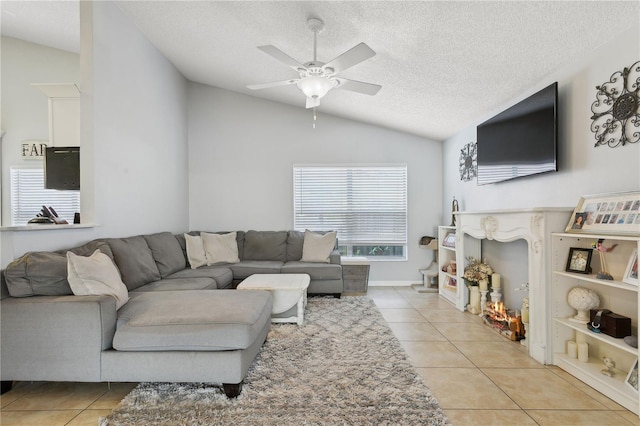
520	141
62	168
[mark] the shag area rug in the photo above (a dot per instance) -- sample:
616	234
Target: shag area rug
343	366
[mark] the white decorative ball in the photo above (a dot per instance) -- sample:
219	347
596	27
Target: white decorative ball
582	300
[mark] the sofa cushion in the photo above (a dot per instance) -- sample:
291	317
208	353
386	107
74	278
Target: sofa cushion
95	275
167	253
317	247
295	240
135	261
265	245
180	284
220	273
195	251
192	320
220	248
45	273
317	271
249	267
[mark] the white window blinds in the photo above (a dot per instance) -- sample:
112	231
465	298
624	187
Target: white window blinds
367	205
28	196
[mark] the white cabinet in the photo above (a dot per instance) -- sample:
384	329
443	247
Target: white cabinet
454	250
615	295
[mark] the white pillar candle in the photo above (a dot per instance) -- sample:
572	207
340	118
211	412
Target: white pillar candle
484	285
495	280
572	349
583	352
525	315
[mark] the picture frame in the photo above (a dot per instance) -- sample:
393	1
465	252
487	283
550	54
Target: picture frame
449	240
632	376
611	214
450	282
579	260
631	273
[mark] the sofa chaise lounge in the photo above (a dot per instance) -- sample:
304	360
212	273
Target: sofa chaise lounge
179	325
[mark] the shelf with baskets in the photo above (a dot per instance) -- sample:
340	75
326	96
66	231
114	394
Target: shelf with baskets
619	295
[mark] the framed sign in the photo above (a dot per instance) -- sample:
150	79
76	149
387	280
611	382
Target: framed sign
614	214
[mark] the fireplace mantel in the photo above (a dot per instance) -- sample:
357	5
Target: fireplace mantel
535	226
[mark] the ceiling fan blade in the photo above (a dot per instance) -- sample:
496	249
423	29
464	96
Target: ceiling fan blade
358	86
313	102
351	57
268	85
282	57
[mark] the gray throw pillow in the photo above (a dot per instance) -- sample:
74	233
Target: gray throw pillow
265	245
167	253
134	260
44	273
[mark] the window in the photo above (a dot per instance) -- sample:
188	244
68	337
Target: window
367	205
28	196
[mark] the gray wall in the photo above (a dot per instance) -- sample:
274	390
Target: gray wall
134	157
242	150
583	169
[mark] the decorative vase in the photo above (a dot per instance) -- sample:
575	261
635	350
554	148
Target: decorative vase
474	299
582	300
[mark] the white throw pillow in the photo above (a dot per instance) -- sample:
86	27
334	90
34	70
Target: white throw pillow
96	275
195	251
220	248
318	247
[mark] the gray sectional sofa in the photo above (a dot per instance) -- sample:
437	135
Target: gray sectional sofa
179	325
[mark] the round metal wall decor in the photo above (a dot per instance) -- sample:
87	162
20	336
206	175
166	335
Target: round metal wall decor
616	111
469	162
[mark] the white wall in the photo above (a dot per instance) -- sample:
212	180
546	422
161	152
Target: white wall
242	150
25	113
137	142
583	169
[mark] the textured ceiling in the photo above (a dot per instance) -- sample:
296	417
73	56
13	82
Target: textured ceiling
442	65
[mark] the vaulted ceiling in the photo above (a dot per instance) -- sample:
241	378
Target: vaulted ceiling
443	65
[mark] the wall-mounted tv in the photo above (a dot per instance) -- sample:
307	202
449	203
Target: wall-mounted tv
62	168
520	141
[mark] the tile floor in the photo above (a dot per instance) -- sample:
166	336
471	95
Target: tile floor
478	377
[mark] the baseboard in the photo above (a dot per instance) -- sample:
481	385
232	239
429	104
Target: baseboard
392	283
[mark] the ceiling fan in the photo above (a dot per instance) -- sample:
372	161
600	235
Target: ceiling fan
317	78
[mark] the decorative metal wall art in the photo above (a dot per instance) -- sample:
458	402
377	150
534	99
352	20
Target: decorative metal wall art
616	111
469	162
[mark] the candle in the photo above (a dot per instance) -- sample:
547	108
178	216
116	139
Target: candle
495	280
525	316
583	352
572	349
484	285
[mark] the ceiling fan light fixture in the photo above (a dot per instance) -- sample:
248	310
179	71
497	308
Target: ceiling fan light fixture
315	86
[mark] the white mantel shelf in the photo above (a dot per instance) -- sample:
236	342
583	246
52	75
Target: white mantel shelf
534	225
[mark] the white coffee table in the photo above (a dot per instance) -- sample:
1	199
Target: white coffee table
288	290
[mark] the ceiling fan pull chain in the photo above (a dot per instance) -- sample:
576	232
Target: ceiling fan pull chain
315	118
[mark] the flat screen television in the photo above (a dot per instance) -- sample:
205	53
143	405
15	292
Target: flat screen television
520	141
62	168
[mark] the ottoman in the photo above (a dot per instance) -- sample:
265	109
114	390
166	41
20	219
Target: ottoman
289	291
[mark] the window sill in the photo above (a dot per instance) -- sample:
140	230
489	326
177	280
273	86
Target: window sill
40	227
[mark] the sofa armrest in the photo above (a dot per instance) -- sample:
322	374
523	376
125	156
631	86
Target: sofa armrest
57	338
335	258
